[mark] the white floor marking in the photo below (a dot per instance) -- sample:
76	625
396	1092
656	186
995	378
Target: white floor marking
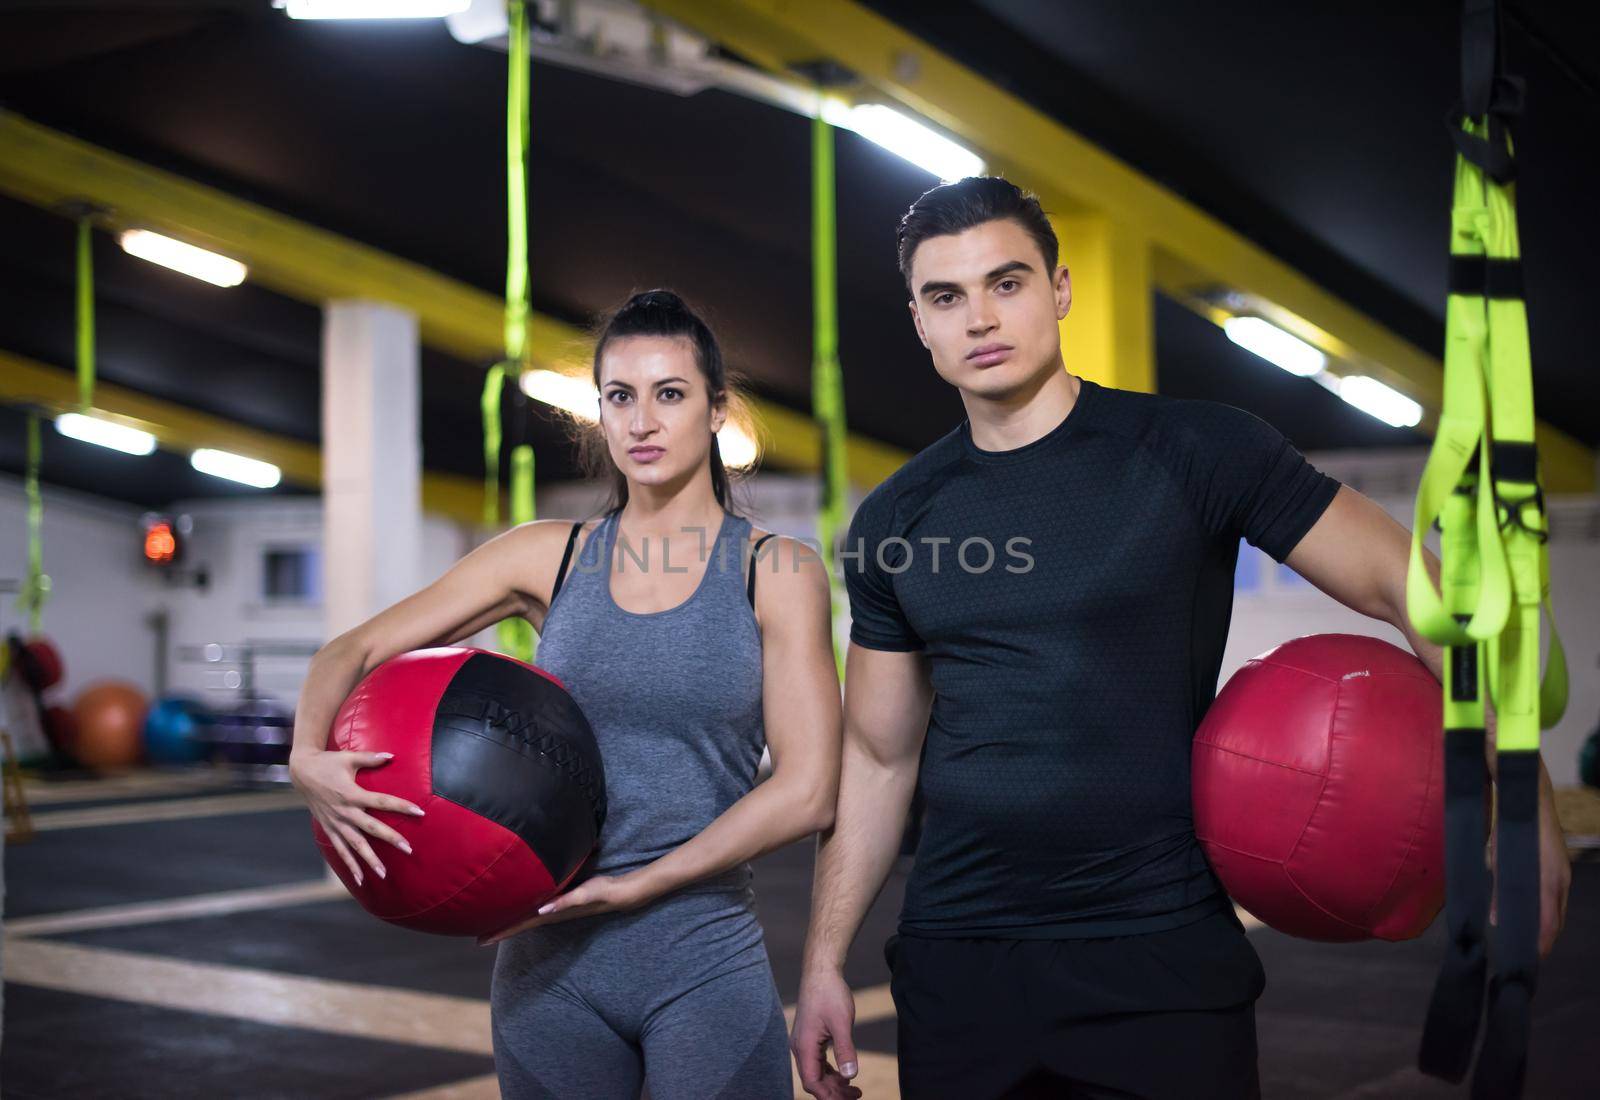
175	809
199	905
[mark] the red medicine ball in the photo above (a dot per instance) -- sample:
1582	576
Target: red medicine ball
1318	789
506	770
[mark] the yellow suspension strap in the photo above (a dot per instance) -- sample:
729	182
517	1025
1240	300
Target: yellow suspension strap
515	635
85	311
36	589
1481	484
827	377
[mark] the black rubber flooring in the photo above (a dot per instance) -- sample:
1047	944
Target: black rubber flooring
1336	1021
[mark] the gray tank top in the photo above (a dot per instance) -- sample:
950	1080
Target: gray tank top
674	696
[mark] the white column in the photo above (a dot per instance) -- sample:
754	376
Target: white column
371	461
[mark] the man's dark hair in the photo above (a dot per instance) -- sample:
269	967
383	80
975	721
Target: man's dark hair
956	207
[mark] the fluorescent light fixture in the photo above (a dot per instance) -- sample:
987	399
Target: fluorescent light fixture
246	471
738	450
370	9
1384	402
105	433
905	137
1275	345
191	261
565	391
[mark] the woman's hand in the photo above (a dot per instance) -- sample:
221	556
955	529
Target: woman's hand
327	780
600	894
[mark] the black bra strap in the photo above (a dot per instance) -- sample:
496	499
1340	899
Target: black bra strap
566	557
750	585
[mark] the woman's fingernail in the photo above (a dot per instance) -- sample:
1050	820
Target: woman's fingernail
381	872
416	811
404	847
848	1069
387	755
546	908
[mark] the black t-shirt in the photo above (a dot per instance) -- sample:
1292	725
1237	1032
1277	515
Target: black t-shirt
1073	598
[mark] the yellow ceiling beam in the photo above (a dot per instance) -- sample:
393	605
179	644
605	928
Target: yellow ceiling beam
178	428
1191	252
41	166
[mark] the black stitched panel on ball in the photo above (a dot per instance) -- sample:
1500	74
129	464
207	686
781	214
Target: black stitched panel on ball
513	746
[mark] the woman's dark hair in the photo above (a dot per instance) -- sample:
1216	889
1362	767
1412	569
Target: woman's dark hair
660	313
956	207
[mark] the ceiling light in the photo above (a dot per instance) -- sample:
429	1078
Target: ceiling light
1384	402
247	471
192	261
905	137
565	391
370	9
1275	345
105	433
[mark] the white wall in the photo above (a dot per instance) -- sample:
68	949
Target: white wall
100	593
103	593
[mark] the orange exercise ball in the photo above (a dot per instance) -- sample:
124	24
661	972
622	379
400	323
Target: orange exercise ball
110	716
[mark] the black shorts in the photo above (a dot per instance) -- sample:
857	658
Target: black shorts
1168	1014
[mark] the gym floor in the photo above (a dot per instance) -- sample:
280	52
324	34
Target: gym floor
174	936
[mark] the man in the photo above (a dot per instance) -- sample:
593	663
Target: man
1040	602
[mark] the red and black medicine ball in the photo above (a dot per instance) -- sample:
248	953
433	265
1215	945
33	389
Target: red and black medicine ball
1319	789
40	664
504	766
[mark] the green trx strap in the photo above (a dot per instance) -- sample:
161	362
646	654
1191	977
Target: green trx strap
493	384
827	379
517	294
1481	484
516	635
85	315
36	589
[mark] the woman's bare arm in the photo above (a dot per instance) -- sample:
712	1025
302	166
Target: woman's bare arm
511	574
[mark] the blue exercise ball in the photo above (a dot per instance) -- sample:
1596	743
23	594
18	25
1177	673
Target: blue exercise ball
171	732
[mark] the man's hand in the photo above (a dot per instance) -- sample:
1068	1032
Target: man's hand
1555	874
825	1013
1555	866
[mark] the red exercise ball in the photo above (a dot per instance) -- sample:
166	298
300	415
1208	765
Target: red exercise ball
506	770
40	663
61	728
1318	780
110	716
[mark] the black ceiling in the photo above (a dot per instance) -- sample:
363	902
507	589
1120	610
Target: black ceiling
1321	138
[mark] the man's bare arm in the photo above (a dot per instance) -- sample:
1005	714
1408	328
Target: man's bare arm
886	703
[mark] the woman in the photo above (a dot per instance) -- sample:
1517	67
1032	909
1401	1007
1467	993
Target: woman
654	967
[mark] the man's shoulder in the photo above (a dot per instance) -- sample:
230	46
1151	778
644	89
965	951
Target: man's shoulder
917	471
1162	421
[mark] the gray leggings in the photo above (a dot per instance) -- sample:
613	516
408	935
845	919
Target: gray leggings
678	995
